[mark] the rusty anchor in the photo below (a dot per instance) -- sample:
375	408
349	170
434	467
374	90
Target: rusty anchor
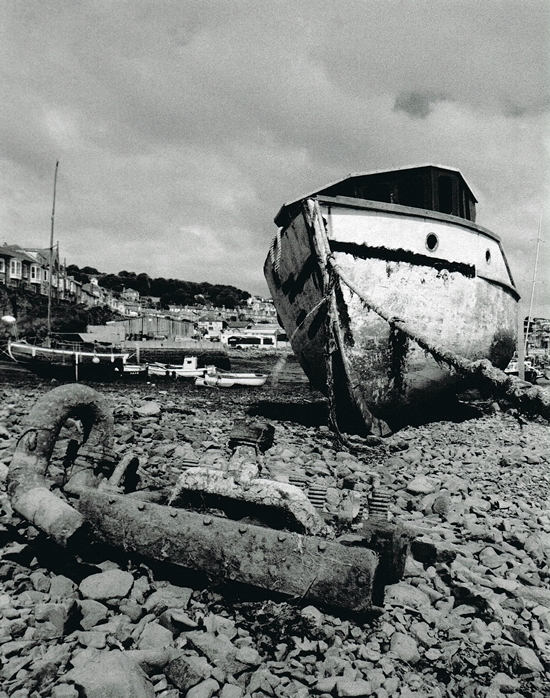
293	555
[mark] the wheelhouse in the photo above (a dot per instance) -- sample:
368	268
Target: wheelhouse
428	187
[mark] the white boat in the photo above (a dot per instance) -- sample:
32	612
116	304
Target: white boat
214	377
368	271
531	372
188	369
134	369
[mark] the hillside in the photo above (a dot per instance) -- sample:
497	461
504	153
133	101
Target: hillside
169	291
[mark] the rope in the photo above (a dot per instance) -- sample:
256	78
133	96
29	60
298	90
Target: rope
531	398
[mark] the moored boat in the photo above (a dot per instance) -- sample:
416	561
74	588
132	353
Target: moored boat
69	359
188	369
530	372
403	244
214	377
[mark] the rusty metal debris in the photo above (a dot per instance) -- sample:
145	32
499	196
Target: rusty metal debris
292	555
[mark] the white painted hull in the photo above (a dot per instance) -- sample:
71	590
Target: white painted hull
228	380
459	296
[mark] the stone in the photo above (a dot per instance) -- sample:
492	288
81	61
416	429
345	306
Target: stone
403	594
184	673
442	504
110	675
505	683
218	649
93	638
405	648
151	408
62	587
168	596
112	584
327	684
231	690
93	613
131	609
205	689
421	485
64	690
525	659
155	637
248	655
357	688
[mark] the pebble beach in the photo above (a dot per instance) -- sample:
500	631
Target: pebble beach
470	617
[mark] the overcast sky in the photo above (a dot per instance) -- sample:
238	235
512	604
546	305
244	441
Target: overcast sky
182	126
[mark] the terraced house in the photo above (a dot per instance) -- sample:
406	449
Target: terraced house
29	269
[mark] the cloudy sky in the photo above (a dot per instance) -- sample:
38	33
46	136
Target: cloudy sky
182	126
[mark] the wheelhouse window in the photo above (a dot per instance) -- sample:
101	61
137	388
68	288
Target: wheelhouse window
2	266
445	190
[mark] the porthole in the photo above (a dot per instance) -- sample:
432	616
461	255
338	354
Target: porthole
488	256
432	242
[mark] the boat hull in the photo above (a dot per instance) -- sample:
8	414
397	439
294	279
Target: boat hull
460	298
228	380
68	363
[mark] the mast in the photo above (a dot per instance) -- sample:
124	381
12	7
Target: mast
50	280
533	288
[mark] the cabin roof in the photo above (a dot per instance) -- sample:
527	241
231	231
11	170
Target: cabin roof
373	173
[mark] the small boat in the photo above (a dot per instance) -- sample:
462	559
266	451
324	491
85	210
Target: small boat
188	369
135	369
69	359
356	262
214	377
530	371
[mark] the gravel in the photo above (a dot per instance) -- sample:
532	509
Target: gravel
471	616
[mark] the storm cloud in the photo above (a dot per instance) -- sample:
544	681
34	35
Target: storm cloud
181	127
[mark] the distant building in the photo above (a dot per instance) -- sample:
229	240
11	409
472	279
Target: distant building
538	338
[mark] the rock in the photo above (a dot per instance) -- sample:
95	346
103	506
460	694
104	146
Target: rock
219	650
538	545
133	610
155	637
168	596
64	690
112	584
357	688
403	594
442	504
505	683
313	614
91	638
205	689
231	691
62	587
421	485
184	673
151	408
93	613
111	674
405	648
248	655
525	659
327	685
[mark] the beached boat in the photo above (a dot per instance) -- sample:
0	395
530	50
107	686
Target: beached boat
353	257
71	360
214	377
188	369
